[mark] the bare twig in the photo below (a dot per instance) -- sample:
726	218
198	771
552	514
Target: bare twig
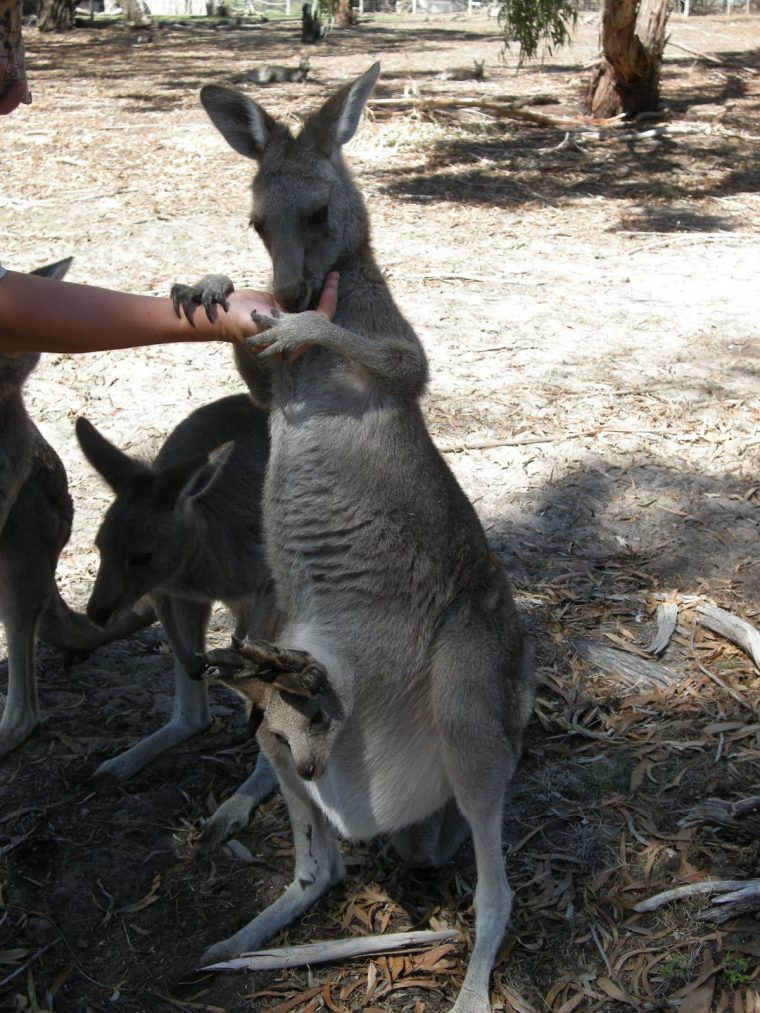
741	815
737	630
696	53
27	963
667	617
713	677
502	110
731	905
704	888
524	441
629	666
336	949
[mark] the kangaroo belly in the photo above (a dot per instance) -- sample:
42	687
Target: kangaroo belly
377	785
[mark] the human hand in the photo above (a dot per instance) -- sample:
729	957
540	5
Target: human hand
237	323
326	308
328	301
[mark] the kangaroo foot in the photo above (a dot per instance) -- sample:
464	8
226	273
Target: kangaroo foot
210	290
14	729
307	677
235	813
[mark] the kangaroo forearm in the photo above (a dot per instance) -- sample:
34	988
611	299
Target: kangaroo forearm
43	315
397	364
255	373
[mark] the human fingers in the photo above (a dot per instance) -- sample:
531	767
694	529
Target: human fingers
328	301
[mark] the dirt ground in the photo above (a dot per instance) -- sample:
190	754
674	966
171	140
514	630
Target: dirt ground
589	302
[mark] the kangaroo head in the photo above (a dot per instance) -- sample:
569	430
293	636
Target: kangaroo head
142	539
303	715
306	208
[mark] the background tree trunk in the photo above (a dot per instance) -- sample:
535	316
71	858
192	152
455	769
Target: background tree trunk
55	15
633	39
135	13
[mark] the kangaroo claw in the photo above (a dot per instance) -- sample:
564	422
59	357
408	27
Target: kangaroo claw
211	290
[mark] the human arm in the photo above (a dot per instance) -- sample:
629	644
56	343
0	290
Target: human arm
43	315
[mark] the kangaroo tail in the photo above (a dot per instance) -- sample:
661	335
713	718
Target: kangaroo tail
67	630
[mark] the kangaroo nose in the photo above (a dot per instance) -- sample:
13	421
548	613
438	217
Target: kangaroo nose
307	771
293	296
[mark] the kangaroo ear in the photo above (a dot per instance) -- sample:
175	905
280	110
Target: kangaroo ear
56	270
191	478
242	123
116	467
335	123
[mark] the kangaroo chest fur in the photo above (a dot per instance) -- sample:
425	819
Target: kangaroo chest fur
369	540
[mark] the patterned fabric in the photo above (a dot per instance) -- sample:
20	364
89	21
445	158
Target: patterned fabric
11	45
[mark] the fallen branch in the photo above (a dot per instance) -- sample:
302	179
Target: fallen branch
502	110
731	905
524	441
629	666
695	52
704	888
337	949
667	617
737	630
742	815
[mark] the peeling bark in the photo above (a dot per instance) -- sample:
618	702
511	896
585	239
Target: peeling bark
628	78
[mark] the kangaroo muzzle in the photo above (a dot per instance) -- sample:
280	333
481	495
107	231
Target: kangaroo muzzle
293	296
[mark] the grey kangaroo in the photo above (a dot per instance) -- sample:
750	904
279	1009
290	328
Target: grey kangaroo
35	523
474	73
275	73
186	531
381	566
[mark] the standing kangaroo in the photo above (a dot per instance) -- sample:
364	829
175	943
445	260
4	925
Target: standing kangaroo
381	566
35	523
187	532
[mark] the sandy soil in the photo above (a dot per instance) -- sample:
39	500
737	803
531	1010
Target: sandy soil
590	305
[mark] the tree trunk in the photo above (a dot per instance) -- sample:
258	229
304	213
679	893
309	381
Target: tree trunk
135	13
344	14
55	15
628	78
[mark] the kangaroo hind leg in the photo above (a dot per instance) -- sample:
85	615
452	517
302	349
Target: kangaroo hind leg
318	866
476	679
21	714
185	625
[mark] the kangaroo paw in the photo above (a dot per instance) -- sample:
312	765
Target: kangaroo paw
291	670
210	290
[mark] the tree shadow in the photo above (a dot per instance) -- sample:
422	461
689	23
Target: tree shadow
509	165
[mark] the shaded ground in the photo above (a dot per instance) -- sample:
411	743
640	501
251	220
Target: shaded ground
591	308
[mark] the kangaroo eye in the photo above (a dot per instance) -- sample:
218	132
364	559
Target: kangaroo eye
318	721
141	559
282	739
318	217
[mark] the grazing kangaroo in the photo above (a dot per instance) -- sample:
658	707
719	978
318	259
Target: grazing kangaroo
275	73
381	566
186	531
475	73
35	523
